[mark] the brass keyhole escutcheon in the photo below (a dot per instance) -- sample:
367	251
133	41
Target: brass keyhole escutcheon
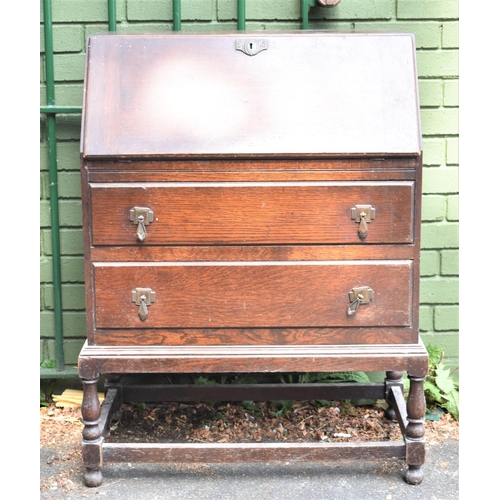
251	47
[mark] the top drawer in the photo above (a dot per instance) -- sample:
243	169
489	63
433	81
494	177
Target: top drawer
252	213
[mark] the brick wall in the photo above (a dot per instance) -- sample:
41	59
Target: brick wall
435	25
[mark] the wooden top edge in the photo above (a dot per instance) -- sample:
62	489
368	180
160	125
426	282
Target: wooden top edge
243	156
259	351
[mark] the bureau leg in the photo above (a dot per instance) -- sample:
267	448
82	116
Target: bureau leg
415	439
392	379
92	439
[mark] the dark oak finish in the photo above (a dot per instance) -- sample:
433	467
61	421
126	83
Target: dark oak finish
252	392
146	166
250	336
155	98
251	172
94	360
252	213
216	253
242	295
251	452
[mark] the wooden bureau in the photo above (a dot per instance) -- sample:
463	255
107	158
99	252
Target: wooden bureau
251	203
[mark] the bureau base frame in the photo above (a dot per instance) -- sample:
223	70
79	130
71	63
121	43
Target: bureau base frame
115	362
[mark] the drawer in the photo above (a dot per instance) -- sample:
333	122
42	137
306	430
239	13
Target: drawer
252	294
252	213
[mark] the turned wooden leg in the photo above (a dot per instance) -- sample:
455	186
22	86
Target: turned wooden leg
92	439
415	440
392	379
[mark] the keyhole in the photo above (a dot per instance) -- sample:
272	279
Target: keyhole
251	45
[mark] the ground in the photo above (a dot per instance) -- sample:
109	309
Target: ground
304	421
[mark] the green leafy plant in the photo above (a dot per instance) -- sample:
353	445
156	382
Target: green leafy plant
141	407
43	399
210	380
328	377
48	363
283	407
251	406
200	380
440	388
47	385
333	377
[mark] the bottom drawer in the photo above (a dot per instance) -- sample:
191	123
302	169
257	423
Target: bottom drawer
252	295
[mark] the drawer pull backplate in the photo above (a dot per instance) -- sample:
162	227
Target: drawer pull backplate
143	297
142	217
363	214
357	296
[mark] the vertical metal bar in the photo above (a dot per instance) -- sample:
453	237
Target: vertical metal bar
112	15
241	15
177	15
54	195
305	14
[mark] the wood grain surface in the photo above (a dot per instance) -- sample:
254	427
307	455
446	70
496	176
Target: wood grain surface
180	95
238	295
252	213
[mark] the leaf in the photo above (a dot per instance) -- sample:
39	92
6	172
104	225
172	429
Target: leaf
247	379
443	380
250	405
433	394
204	381
452	404
43	402
360	377
48	363
333	377
141	407
435	354
282	406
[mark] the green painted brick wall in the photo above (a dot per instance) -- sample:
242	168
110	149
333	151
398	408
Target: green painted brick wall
452	150
430	263
427	9
449	262
440	180
435	151
436	27
433	208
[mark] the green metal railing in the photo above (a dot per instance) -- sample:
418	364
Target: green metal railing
305	12
53	186
51	110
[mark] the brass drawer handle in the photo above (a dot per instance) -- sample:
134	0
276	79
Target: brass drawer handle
363	214
142	217
143	297
357	296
